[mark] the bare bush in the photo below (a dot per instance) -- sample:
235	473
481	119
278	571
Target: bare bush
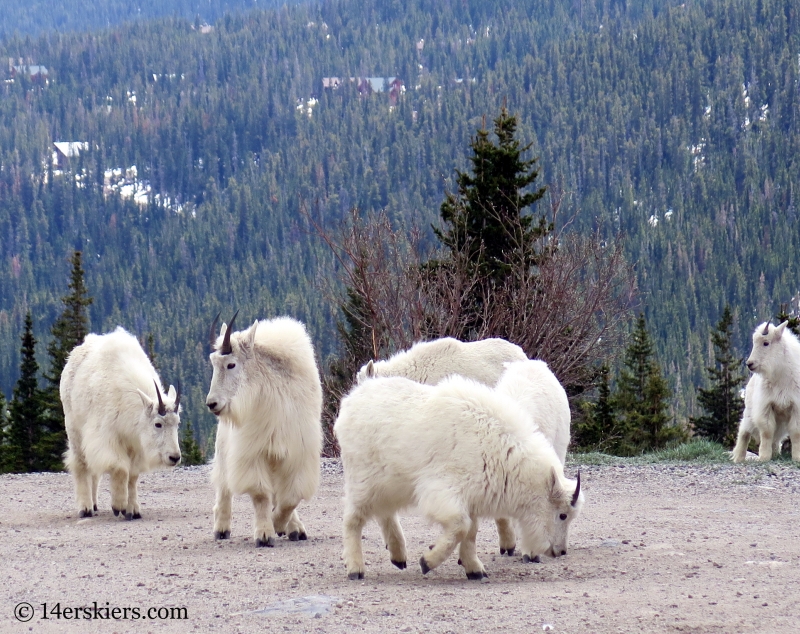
564	299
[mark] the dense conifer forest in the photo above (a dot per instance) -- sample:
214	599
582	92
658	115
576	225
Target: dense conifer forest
677	124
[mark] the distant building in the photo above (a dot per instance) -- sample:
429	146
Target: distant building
369	85
36	72
66	150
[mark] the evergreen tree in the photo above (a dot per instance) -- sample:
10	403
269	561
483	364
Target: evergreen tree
68	331
486	218
190	450
600	429
642	397
26	412
721	400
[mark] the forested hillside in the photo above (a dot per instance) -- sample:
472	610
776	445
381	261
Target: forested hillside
33	17
676	124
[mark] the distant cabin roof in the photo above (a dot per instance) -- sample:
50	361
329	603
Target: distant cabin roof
71	149
32	70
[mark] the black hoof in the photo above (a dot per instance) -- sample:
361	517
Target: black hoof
303	537
222	534
507	551
476	576
294	536
355	576
527	560
399	564
95	508
116	511
424	565
132	516
267	543
282	533
85	513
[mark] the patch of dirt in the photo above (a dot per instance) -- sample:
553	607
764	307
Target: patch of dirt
663	548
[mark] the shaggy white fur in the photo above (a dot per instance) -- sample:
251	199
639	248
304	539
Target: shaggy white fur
111	410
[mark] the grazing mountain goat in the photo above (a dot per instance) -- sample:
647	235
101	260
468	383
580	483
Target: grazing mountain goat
430	361
116	419
267	395
537	391
458	451
772	396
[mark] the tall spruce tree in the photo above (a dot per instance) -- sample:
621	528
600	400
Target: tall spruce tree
487	216
600	429
26	411
642	397
721	400
68	331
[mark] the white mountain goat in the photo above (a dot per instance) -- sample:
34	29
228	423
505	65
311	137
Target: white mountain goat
430	361
772	396
116	419
538	392
267	395
458	451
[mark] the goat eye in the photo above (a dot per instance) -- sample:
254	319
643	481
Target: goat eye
563	516
766	343
231	366
158	425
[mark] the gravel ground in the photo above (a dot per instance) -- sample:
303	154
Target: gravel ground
658	548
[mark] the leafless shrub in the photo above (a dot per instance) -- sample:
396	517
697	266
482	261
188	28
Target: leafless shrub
563	300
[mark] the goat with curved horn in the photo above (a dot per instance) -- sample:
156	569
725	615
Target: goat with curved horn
226	340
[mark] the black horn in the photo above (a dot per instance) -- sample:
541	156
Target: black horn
766	329
577	490
161	409
212	332
226	340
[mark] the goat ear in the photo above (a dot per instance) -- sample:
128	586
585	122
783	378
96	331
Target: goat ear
370	369
172	393
146	400
779	330
554	489
251	335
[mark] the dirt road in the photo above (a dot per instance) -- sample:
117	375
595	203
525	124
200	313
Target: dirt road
663	548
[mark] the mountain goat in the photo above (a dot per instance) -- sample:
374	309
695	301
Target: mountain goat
430	361
457	450
772	396
537	391
116	420
266	393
